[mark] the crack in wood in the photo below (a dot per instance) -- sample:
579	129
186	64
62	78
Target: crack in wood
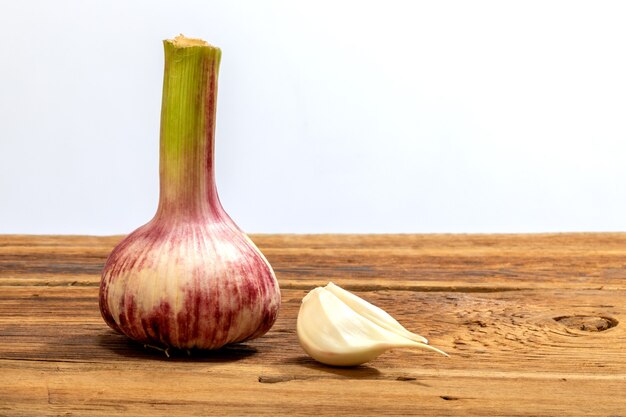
48	393
412	288
306	287
50	360
275	379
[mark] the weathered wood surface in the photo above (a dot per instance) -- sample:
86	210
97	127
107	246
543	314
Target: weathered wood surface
535	325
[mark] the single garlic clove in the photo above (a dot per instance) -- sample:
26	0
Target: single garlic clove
332	332
370	311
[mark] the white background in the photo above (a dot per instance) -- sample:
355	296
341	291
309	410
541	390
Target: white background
333	116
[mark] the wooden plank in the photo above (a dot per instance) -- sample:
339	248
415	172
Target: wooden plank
545	338
204	389
466	262
498	331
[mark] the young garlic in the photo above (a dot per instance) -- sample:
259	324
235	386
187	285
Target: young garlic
190	278
335	327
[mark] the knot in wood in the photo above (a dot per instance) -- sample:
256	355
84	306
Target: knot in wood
587	323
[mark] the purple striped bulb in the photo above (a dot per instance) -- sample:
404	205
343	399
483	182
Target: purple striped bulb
189	278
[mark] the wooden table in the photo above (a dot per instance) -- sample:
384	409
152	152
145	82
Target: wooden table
535	325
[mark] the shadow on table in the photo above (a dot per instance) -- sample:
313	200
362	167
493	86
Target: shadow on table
353	372
123	346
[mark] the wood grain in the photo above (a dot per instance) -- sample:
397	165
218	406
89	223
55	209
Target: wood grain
534	325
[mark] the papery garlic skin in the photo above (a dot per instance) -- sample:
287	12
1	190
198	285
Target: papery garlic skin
346	330
190	278
189	287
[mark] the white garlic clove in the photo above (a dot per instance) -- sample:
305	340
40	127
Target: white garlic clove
335	332
375	314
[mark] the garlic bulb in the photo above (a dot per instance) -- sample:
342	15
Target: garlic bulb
335	327
189	278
